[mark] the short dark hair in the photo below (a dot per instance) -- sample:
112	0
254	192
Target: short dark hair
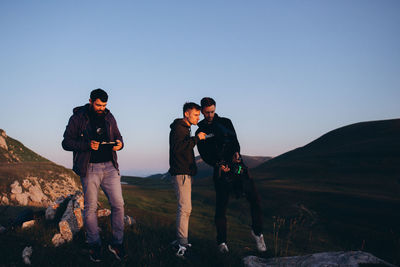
99	94
207	101
190	105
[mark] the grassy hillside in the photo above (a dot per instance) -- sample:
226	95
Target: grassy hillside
18	162
296	222
362	158
147	242
338	193
17	152
350	178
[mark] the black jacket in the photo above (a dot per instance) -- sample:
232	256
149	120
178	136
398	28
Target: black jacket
78	134
222	145
181	154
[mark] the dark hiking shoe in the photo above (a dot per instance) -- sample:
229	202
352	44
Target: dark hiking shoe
117	250
95	253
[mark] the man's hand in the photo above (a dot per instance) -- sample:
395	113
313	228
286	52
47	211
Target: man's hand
118	146
94	145
225	168
201	135
236	158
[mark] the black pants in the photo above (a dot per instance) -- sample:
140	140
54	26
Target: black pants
226	184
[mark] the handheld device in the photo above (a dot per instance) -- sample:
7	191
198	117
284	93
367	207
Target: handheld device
108	143
209	135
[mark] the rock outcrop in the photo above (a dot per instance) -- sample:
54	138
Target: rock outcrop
28	179
3	136
72	219
34	191
324	259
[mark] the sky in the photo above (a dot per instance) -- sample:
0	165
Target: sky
284	72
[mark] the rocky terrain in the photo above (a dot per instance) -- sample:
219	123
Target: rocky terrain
28	179
341	258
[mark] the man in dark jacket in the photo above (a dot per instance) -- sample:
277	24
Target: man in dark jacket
182	169
222	152
93	136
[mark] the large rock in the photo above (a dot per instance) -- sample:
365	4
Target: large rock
30	190
72	219
26	184
4	200
52	208
324	259
69	218
36	194
16	188
22	199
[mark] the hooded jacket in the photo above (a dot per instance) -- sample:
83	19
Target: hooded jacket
77	137
222	145
181	144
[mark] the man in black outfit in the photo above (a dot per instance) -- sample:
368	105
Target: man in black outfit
221	150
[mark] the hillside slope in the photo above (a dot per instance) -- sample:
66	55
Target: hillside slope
27	178
362	157
12	151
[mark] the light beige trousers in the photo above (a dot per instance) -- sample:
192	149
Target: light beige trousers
183	190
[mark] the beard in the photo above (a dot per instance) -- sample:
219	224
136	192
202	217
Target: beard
99	113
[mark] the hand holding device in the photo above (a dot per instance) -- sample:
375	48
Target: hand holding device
225	168
201	135
94	145
117	146
236	158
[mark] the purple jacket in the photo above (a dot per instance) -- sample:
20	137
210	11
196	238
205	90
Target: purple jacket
77	138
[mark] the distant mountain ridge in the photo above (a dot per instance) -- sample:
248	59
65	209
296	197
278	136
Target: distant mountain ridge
204	170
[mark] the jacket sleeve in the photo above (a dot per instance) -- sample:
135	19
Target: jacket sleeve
206	150
207	153
180	141
117	135
73	137
236	146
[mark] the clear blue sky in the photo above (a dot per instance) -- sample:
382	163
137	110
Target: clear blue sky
285	72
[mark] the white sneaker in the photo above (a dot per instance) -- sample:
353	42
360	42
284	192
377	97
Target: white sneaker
223	248
259	242
180	249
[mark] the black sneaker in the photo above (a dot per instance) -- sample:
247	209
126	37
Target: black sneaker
95	253
117	250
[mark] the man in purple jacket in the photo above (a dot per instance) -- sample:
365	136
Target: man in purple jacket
93	136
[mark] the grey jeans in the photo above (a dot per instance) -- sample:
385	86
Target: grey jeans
103	175
183	190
